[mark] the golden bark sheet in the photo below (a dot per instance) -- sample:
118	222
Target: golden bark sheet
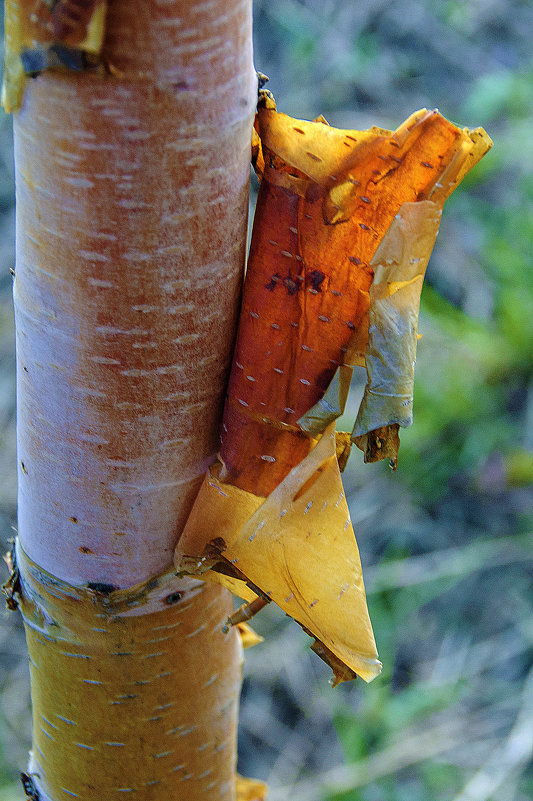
296	547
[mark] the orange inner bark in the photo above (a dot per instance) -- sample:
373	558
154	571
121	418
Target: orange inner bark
307	285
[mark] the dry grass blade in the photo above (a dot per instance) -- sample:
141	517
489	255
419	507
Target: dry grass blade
509	759
450	562
413	748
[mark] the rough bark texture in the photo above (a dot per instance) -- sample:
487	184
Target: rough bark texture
131	222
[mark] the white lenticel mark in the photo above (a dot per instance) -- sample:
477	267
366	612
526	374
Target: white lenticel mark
323	318
254	315
346	524
278	370
286	253
69	792
309	505
187	731
266	458
288	410
250	378
305	382
99	282
92	255
76	656
195	632
242	402
307	348
275	327
343	590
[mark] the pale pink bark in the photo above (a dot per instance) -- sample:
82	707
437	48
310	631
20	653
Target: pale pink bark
131	193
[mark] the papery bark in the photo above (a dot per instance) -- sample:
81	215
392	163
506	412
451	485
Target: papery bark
344	227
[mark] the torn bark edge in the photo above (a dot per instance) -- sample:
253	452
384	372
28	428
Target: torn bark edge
381	443
244	613
32	45
11	588
28	581
341	672
248	636
29	787
213	561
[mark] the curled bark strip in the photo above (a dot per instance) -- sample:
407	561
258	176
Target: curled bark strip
328	210
344	227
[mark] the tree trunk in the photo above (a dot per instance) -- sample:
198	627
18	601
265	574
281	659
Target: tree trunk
131	222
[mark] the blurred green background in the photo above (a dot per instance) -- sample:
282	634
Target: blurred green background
446	542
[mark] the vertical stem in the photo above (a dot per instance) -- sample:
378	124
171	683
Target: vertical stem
131	224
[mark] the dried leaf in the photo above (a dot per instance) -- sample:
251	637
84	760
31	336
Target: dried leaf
343	446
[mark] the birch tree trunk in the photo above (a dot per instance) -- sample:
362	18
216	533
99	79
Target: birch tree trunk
132	193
